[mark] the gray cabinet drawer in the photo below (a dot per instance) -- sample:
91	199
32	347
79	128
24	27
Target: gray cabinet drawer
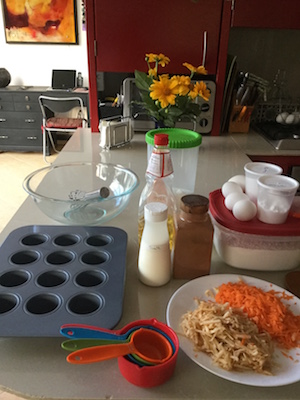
27	97
6	97
27	107
6	106
20	120
18	137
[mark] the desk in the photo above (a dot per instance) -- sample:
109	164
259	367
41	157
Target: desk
21	117
36	368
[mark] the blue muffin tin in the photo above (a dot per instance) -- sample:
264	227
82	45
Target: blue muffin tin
55	275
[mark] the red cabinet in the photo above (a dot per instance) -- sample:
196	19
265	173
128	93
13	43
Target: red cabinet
125	31
119	33
275	14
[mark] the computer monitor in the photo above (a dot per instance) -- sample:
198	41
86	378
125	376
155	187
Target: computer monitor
63	79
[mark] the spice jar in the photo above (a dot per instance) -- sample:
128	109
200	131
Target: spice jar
194	238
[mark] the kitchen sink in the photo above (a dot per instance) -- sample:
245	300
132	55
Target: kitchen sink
281	137
286	144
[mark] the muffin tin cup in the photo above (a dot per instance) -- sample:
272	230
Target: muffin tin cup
53	275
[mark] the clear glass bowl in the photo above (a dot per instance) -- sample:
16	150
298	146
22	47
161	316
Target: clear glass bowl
60	191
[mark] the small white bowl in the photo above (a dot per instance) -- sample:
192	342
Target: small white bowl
253	170
275	197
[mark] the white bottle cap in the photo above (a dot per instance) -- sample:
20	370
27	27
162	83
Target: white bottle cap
156	212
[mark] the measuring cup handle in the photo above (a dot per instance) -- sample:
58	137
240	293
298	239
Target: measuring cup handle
85	333
78	344
99	353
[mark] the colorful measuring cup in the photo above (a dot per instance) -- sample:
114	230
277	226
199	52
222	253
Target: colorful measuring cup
82	331
147	344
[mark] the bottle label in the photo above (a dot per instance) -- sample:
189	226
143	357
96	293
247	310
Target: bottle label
160	164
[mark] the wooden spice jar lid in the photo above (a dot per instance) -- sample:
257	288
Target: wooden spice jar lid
194	204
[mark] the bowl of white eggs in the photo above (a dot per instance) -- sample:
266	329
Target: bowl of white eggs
242	240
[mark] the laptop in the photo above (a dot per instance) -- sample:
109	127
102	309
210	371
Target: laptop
63	79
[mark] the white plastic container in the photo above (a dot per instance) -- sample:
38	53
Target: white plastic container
253	170
184	146
275	197
254	245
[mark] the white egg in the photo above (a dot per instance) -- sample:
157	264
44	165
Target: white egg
290	119
244	210
239	179
282	117
233	198
230	187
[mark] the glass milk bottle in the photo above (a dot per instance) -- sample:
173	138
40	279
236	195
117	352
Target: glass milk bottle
158	188
154	261
194	238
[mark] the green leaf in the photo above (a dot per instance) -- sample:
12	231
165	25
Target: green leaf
175	112
194	109
142	80
182	101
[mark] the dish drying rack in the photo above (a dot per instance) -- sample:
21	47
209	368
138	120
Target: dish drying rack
267	111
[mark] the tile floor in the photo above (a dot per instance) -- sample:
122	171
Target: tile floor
9	396
14	167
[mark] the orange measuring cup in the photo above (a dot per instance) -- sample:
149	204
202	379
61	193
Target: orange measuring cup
148	344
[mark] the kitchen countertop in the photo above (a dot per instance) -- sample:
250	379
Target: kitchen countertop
253	143
36	367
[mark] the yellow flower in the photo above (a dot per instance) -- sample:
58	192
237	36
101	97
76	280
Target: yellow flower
200	89
151	57
183	84
152	72
201	70
195	70
161	59
164	90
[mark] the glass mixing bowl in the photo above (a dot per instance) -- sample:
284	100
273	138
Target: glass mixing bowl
81	193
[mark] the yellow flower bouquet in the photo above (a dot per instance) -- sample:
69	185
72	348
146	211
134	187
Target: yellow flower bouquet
168	99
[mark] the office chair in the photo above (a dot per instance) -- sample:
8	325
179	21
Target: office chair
56	118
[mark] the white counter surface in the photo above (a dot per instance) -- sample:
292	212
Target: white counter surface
254	144
36	368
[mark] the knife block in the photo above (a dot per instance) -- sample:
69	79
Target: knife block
240	117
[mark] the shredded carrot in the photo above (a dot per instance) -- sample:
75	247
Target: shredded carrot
265	309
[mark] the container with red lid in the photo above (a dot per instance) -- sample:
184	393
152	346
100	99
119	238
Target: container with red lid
254	245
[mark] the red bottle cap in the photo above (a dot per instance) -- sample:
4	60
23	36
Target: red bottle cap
161	139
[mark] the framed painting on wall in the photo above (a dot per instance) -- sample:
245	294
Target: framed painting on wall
40	21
